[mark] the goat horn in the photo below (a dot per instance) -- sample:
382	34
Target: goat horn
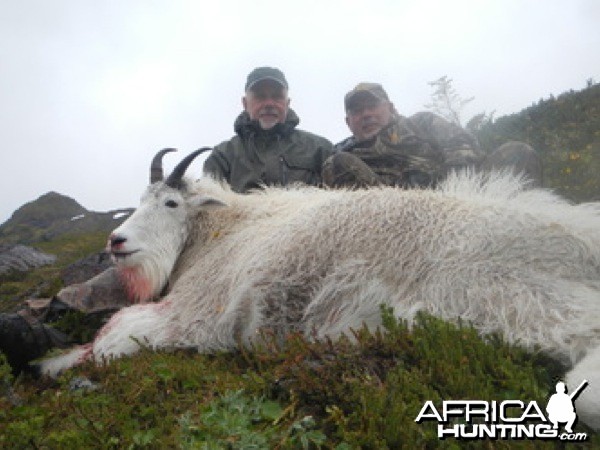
174	179
156	169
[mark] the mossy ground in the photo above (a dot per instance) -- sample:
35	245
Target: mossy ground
298	394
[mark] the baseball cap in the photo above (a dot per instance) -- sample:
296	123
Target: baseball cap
265	73
373	90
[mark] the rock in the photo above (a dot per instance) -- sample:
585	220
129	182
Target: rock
82	384
22	258
518	157
104	292
85	269
37	307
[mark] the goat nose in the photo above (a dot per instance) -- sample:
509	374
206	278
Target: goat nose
116	240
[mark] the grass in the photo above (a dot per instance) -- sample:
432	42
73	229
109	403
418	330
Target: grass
293	395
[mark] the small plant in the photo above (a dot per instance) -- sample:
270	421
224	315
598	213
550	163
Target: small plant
233	421
302	434
6	376
446	102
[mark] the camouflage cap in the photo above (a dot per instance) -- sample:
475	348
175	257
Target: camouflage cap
265	73
373	90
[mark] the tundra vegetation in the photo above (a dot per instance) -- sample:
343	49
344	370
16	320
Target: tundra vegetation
281	395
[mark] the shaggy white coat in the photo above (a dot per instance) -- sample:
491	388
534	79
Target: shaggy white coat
523	263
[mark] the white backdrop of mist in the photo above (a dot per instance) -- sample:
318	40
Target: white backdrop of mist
90	90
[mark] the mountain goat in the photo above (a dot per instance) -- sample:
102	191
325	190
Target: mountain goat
523	263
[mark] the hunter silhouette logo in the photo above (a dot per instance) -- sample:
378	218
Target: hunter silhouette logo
560	406
508	419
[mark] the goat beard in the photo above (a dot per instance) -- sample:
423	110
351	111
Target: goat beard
140	285
146	277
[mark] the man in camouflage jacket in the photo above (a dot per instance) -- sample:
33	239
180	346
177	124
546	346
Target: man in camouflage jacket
419	151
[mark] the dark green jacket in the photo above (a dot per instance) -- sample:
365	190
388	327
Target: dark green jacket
279	156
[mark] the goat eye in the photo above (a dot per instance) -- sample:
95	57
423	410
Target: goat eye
171	204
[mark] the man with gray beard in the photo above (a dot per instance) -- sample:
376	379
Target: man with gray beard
268	149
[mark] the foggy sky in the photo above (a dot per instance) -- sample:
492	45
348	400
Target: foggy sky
90	90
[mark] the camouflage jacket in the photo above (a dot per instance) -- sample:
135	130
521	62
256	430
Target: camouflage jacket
280	156
416	151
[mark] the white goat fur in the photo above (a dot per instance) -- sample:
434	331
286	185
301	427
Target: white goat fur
523	263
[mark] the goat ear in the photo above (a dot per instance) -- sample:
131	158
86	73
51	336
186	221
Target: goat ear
207	203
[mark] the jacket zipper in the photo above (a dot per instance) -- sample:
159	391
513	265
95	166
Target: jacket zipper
283	171
283	168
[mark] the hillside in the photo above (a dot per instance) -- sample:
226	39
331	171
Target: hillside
566	132
46	244
53	216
